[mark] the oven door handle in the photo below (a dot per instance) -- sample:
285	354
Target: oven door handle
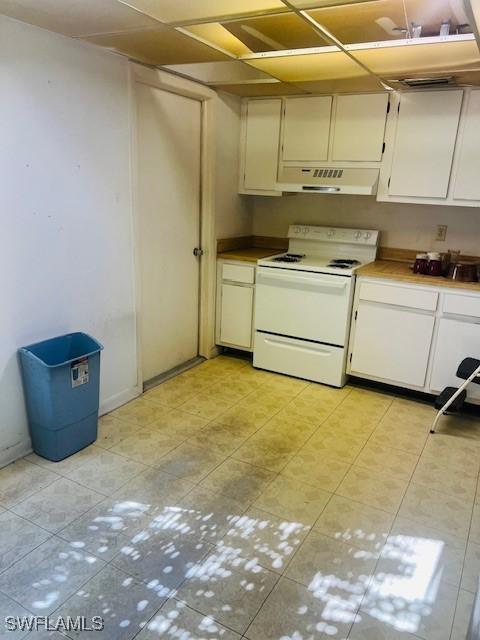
315	282
284	344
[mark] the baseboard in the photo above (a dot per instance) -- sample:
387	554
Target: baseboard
18	450
21	449
110	404
172	373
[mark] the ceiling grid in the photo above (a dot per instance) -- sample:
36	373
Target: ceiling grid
275	47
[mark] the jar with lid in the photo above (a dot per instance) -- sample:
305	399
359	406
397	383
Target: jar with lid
434	266
421	262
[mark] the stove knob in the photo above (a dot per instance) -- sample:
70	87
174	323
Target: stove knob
358	235
297	230
305	231
367	235
331	233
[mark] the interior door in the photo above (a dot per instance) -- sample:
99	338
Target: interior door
168	143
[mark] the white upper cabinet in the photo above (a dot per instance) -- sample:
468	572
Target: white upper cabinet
427	148
261	131
359	127
306	128
424	145
467	182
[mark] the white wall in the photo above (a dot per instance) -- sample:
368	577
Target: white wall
66	238
402	225
234	217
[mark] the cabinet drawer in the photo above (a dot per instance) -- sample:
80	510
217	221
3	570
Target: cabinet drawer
399	296
239	273
462	305
300	358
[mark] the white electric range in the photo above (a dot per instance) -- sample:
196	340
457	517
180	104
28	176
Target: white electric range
303	302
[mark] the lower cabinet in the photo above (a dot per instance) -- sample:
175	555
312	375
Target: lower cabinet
235	300
236	315
456	340
392	343
413	336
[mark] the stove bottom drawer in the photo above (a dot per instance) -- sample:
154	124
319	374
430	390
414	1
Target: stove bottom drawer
300	358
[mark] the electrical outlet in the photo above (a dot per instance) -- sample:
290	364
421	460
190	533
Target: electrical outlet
441	232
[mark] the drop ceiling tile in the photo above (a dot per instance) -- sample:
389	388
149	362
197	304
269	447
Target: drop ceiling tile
364	22
160	46
76	17
377	20
421	57
260	89
218	35
430	15
215	72
275	33
333	65
202	10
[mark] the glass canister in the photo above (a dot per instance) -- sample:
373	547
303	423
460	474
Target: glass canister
421	263
434	266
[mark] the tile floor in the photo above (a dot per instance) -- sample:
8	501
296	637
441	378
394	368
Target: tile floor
234	503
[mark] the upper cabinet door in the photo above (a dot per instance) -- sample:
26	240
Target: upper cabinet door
261	144
360	127
306	128
424	144
467	183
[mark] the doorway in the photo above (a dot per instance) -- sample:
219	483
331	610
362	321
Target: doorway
169	132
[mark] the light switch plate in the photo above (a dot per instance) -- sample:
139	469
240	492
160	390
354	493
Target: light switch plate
441	232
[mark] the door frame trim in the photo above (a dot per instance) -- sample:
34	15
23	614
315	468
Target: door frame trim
139	74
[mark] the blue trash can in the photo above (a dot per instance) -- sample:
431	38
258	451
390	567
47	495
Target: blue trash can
61	379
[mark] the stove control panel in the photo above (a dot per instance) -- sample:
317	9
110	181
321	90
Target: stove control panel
334	234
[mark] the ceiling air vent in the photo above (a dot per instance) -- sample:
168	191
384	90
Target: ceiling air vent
328	173
428	82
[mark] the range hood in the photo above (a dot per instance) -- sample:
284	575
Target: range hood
326	179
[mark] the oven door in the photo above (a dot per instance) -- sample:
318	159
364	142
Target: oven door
303	304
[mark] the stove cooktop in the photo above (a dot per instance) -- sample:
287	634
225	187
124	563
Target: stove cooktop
325	264
289	257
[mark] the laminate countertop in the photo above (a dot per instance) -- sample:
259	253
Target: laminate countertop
401	271
251	254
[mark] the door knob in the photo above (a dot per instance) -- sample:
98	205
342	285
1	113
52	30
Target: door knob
197	252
